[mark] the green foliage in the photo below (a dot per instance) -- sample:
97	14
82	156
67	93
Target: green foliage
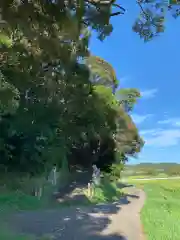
116	170
128	98
5	41
108	191
102	73
57	101
16	193
152	18
9	97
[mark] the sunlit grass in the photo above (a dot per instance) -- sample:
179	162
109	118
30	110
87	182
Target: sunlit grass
160	215
108	191
5	40
160	175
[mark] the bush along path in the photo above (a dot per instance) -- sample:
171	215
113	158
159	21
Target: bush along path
115	221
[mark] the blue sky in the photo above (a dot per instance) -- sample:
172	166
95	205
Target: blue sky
154	69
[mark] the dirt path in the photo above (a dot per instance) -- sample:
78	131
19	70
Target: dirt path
116	221
127	220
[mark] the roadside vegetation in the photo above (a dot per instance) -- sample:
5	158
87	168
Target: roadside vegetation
60	106
17	199
107	191
160	215
6	234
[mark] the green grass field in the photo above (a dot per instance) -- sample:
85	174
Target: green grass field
160	175
161	215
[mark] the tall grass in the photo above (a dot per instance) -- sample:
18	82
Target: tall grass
107	191
17	191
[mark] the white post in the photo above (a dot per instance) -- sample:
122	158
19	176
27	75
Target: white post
52	178
96	175
89	190
95	179
54	171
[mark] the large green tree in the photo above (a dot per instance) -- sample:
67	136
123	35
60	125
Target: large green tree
55	97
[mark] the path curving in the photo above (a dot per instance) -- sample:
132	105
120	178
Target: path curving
115	221
127	221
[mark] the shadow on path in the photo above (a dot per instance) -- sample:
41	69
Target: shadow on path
64	224
86	223
80	179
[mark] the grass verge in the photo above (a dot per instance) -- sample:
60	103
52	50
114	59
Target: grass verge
6	234
160	215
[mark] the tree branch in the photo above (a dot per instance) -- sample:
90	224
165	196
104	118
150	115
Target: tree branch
145	13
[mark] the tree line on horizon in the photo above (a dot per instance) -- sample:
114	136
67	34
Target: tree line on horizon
153	169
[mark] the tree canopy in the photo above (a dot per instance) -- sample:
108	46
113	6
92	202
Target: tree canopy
57	101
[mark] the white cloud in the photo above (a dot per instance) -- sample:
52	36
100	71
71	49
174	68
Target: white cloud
149	132
161	138
150	93
171	121
140	118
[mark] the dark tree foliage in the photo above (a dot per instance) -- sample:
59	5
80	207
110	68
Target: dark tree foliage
58	102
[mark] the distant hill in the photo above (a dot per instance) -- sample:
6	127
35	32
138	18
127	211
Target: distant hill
153	164
147	169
